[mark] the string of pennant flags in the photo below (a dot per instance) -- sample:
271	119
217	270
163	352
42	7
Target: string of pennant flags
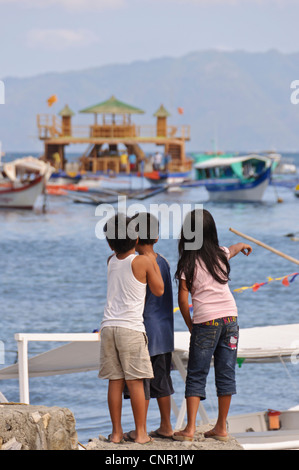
286	281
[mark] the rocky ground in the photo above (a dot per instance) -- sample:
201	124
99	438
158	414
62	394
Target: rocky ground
28	427
199	443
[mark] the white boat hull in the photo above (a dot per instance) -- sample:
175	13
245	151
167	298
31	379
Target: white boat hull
271	440
23	197
252	432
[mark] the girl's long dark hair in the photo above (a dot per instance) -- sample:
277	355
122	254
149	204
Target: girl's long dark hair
210	255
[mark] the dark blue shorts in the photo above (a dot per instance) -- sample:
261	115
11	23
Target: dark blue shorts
161	385
219	339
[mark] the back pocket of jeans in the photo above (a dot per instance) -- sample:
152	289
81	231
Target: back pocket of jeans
205	337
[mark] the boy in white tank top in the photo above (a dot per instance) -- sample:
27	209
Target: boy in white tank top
124	355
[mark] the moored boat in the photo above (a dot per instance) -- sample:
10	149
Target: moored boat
96	197
22	181
282	165
235	178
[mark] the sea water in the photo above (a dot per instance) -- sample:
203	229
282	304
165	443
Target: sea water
53	280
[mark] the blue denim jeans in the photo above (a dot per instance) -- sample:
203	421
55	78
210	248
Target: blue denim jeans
219	339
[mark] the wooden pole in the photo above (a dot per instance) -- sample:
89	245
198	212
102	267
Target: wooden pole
257	242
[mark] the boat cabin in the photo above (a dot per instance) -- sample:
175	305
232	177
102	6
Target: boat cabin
245	168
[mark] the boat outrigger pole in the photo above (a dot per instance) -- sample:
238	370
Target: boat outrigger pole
257	242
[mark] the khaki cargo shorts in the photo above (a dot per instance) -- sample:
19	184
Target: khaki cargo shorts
124	354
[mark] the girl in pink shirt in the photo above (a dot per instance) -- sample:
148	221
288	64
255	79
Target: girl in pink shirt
204	272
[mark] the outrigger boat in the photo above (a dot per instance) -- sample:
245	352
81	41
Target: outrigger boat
243	178
22	181
105	196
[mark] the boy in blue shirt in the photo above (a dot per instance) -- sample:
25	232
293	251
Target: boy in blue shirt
159	326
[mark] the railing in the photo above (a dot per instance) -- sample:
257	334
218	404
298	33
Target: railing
23	366
49	126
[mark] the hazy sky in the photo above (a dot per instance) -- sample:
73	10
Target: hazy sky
38	36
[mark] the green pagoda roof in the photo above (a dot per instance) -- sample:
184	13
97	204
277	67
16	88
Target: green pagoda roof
162	112
66	111
112	106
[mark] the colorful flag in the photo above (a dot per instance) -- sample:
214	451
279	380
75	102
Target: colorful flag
52	100
285	281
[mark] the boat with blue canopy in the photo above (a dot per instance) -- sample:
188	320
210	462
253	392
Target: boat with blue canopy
235	178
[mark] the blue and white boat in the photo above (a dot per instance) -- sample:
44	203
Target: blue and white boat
235	178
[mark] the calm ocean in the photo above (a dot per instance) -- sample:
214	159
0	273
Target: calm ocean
53	280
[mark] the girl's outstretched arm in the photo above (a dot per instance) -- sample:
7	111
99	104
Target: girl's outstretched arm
183	299
243	247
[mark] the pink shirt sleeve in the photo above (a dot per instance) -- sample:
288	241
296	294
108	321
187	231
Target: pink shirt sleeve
226	251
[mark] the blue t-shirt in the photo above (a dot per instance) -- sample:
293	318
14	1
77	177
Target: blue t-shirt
158	314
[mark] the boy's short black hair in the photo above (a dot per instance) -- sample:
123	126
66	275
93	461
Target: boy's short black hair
147	227
120	235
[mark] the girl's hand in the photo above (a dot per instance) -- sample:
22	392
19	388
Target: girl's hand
239	247
246	250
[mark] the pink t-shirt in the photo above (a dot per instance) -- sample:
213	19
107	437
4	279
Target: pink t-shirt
210	299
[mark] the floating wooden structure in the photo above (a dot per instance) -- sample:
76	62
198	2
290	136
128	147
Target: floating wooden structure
105	138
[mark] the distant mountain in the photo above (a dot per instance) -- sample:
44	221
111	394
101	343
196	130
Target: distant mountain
239	100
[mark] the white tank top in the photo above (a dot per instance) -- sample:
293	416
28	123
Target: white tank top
125	296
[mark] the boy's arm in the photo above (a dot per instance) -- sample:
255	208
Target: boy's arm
154	277
146	269
183	299
235	249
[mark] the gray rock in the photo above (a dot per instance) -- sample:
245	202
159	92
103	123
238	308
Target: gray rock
28	427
